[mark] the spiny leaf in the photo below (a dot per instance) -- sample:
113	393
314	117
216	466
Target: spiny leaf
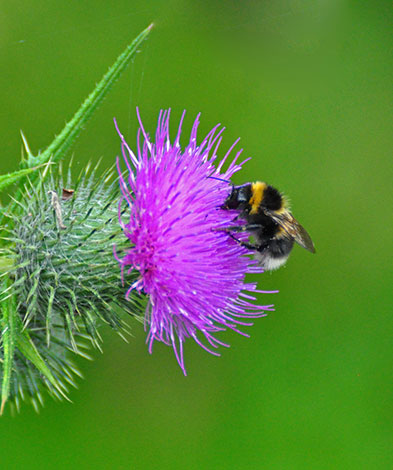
11	178
63	141
70	132
8	339
27	348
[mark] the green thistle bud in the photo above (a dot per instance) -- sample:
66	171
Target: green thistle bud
65	281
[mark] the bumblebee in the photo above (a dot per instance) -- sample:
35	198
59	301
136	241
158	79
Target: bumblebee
265	215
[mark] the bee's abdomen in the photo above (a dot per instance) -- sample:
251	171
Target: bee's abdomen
268	228
274	253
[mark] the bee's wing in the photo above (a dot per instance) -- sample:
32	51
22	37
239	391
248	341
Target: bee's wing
293	229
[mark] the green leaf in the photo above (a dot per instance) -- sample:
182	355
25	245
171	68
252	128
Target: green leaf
57	149
8	338
13	336
11	178
27	348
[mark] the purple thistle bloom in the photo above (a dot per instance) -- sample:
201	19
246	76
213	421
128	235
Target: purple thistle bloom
193	275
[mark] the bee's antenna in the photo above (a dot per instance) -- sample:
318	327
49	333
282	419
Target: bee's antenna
219	179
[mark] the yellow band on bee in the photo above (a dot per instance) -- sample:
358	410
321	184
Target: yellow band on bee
257	189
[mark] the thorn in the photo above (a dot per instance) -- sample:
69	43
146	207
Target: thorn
47	165
3	402
25	144
65	397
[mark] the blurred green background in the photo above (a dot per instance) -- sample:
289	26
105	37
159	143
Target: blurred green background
307	85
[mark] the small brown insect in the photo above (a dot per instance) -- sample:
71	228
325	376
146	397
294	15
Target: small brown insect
57	208
67	194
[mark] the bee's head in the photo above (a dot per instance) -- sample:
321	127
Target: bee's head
238	198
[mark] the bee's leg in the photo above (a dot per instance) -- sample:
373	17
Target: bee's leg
245	228
239	228
238	217
249	246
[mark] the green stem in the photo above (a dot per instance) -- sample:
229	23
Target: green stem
8	309
56	150
62	142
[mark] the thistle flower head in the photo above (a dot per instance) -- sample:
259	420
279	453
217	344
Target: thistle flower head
192	273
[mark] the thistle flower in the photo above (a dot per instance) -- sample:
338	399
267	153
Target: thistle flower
193	274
